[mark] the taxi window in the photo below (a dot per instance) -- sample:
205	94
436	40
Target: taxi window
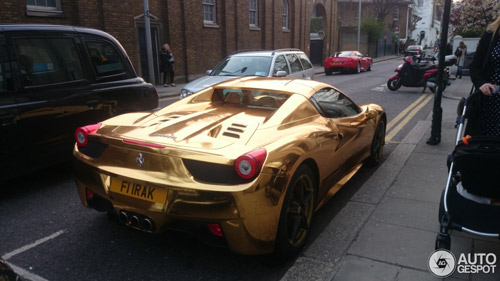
294	63
4	66
333	104
45	61
105	58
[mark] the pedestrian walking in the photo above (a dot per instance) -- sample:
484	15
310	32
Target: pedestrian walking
460	52
485	75
167	65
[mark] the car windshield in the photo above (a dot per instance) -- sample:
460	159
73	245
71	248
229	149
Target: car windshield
413	48
343	54
243	66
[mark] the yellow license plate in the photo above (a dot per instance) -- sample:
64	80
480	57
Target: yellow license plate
141	191
337	63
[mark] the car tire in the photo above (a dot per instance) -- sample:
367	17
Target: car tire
296	214
394	84
358	68
328	72
377	146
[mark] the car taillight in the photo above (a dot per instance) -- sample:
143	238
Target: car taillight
418	51
215	229
249	164
81	134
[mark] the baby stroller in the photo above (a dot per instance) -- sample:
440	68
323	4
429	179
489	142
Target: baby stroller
470	201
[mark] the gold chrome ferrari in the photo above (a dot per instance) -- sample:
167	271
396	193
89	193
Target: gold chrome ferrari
247	161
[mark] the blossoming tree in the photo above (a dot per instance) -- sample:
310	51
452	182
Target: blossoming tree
473	14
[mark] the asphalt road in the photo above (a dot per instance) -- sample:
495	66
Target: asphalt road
46	234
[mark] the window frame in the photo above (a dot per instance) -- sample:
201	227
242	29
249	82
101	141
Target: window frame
285	15
286	63
395	13
315	102
123	61
212	5
62	63
296	61
45	10
253	14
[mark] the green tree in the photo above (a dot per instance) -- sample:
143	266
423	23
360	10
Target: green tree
373	28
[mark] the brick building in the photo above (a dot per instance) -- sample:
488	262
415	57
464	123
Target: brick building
200	32
394	23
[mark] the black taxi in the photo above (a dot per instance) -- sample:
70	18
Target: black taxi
54	79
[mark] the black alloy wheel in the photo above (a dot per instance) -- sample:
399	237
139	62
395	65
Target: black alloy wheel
296	214
377	147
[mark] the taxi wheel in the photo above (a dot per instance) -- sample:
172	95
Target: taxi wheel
377	147
296	213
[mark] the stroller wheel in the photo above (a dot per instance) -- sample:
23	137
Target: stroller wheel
443	241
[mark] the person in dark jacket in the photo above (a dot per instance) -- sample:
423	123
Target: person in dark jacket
167	65
485	75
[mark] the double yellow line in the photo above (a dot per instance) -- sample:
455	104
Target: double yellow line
392	129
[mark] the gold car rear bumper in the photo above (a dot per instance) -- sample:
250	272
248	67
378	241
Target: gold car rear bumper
248	218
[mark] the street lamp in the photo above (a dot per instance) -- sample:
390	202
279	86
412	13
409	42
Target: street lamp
437	112
359	23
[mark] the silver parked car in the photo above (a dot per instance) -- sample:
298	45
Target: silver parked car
269	63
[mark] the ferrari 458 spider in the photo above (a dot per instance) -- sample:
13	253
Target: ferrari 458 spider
246	161
347	61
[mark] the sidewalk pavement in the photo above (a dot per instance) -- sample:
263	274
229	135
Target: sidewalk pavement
387	230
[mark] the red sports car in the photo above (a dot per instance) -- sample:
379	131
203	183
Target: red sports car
347	60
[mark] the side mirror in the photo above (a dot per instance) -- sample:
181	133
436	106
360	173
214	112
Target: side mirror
280	73
208	72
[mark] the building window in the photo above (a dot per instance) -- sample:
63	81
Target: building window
285	15
44	5
253	15
209	12
420	3
395	14
44	8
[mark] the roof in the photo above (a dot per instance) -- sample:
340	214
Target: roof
52	28
263	52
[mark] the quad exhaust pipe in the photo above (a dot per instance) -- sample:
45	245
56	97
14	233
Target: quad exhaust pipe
136	220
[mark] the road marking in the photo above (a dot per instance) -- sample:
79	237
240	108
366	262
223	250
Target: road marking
405	111
25	274
380	88
426	98
32	245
